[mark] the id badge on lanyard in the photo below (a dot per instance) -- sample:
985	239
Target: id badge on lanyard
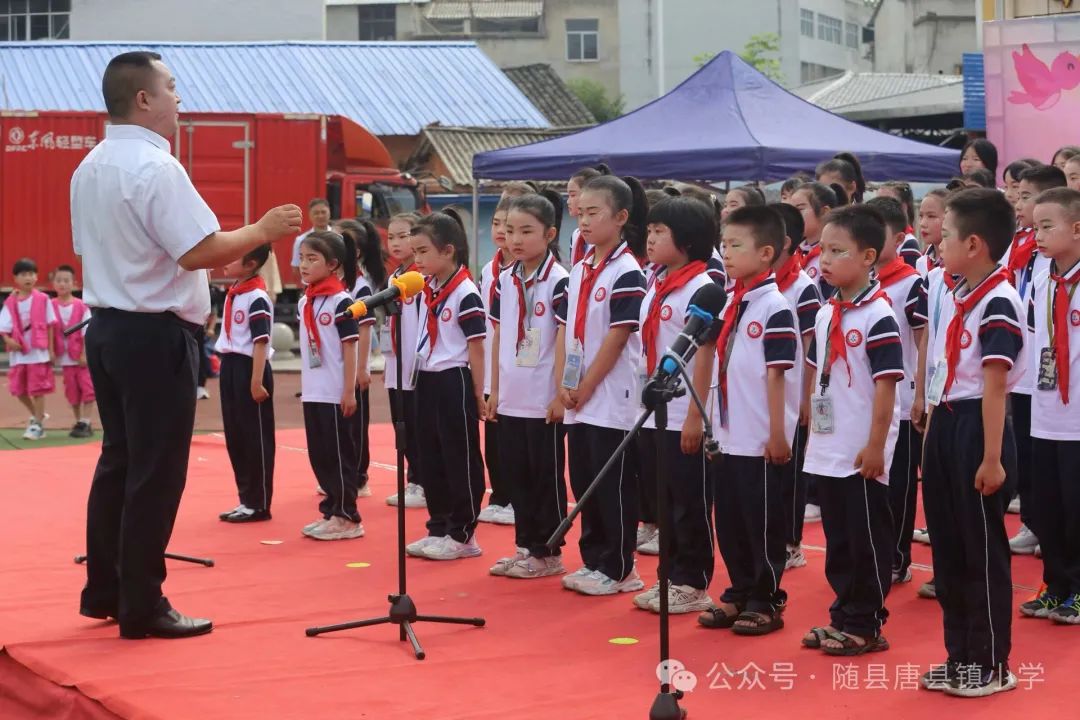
575	358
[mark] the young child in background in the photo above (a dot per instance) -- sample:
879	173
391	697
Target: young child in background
814	201
931	214
527	352
399	243
1011	176
578	247
598	387
910	250
979	154
78	388
793	183
844	170
970	451
26	325
449	393
328	332
247	387
740	197
857	359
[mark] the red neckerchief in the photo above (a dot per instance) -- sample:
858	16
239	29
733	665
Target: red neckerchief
809	252
394	318
894	272
909	230
1061	329
496	268
541	273
585	290
579	250
731	315
837	343
789	272
950	280
329	285
431	298
956	326
239	288
1022	251
669	283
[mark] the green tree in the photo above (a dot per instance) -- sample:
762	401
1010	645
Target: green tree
595	97
760	52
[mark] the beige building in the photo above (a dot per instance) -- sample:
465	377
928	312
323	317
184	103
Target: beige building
1010	9
924	36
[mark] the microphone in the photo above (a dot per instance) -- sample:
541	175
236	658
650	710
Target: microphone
403	287
76	328
705	307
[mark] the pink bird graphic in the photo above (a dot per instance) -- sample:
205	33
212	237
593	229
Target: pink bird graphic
1043	85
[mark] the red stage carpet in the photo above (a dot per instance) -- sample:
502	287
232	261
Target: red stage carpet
545	653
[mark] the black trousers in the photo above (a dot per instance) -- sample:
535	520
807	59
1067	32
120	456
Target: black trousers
501	492
249	430
648	512
793	482
448	448
408	406
358	425
536	450
750	531
858	540
689	504
144	369
204	356
1020	407
1056	491
609	518
333	458
904	492
970	547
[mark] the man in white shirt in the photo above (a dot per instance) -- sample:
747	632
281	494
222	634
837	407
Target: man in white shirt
319	214
146	238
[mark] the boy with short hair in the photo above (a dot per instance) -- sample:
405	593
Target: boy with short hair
1054	317
757	346
970	451
903	288
855	356
78	388
26	325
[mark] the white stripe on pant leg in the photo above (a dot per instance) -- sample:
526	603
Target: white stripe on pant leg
765	534
907	489
622	523
986	576
870	539
262	454
559	511
468	445
708	515
341	470
795	489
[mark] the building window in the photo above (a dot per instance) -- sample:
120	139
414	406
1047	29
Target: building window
582	40
809	72
506	26
378	22
806	21
830	29
852	35
22	20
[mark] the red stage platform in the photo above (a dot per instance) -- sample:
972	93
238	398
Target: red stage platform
545	653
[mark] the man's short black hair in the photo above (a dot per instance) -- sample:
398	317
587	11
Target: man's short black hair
766	225
985	213
1044	177
23	265
863	223
692	224
891	211
125	76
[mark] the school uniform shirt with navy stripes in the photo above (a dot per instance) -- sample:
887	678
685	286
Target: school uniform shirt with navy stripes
764	337
1025	282
461	319
874	352
361	290
408	324
526	392
487	283
928	261
910	250
804	298
673	317
933	299
616	302
252	320
336	325
1052	419
905	295
992	333
811	267
715	267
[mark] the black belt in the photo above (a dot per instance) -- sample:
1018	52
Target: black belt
167	316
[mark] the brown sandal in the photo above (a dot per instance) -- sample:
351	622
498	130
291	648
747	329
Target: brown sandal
716	619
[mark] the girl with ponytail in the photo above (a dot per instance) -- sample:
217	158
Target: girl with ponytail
844	170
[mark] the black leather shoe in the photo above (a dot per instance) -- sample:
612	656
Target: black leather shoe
170	624
242	517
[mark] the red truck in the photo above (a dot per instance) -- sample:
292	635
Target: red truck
243	165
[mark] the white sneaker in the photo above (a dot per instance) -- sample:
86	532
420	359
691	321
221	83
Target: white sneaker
337	528
684	599
570	582
795	557
311	525
414	497
416	548
488	514
812	514
645	533
450	549
597	583
201	393
364	492
1014	506
503	564
652	547
29	433
534	567
642	600
505	516
1038	551
921	535
899	579
34	432
1024	542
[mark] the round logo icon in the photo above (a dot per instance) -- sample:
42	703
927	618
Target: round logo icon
410	300
853	338
325	318
665	312
812	272
539	309
238	316
754	329
446	315
1074	317
601	293
965	340
16	135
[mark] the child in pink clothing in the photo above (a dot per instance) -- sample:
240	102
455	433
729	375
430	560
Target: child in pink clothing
26	323
71	352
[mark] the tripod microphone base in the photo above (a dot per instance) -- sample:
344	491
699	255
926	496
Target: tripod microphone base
666	707
206	562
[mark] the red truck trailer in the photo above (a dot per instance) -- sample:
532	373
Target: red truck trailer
243	165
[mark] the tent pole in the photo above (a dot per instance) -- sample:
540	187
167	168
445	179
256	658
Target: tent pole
476	223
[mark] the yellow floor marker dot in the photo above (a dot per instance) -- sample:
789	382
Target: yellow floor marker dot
623	641
358	565
271	542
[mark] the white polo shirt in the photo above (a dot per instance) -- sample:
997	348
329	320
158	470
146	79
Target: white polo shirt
804	299
36	356
526	392
717	271
65	312
1025	282
874	352
928	261
487	294
362	289
910	250
905	297
134	214
461	318
337	327
615	302
407	324
1051	419
252	320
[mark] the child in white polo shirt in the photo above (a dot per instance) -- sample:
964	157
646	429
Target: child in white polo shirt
27	320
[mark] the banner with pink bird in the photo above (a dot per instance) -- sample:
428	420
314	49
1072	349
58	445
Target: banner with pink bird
1032	75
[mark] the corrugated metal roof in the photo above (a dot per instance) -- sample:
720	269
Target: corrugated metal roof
974	92
457	145
462	9
851	88
391	88
543	86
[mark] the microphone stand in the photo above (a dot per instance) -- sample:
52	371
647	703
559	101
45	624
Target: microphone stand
657	394
402	608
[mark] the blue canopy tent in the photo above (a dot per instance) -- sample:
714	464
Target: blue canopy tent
725	122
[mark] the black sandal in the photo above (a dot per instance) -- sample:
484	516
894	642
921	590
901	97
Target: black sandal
764	623
850	647
716	619
819	634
